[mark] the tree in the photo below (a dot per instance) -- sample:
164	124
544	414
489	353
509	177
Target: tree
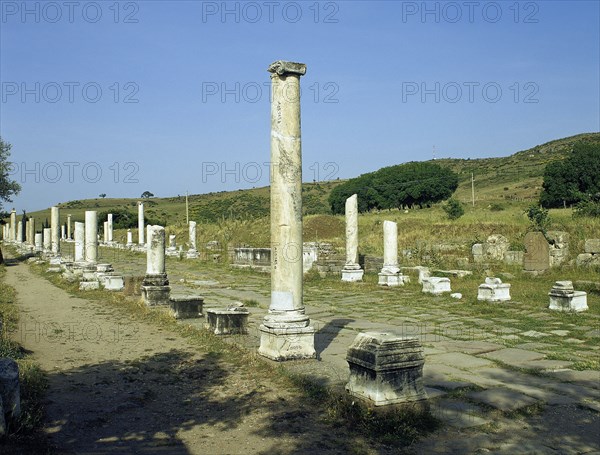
575	179
8	187
147	194
417	183
454	209
102	195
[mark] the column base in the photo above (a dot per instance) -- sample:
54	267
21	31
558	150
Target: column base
155	295
354	273
392	279
292	343
192	254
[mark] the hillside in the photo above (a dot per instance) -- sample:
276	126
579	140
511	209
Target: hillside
517	177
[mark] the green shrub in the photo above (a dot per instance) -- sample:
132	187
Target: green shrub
495	207
454	209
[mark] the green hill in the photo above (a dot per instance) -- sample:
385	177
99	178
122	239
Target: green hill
517	177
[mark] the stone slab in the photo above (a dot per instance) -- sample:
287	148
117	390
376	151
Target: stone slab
514	357
459	360
459	414
588	378
503	399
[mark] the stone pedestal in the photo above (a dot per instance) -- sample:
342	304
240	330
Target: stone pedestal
386	369
286	332
155	288
493	290
392	279
113	282
563	297
186	306
230	321
436	285
89	285
352	270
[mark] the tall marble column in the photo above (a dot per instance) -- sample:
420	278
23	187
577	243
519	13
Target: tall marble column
105	231
47	239
39	243
110	227
63	232
32	230
155	287
390	272
141	223
27	232
13	226
352	270
286	332
79	242
192	253
19	232
55	226
91	236
69	226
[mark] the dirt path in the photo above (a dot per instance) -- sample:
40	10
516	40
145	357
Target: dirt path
121	386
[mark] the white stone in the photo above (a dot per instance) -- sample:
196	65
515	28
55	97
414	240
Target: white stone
436	285
19	232
456	295
89	285
113	282
13	226
129	237
69	227
91	236
564	298
493	290
286	332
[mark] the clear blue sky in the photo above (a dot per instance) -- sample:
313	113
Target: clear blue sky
198	72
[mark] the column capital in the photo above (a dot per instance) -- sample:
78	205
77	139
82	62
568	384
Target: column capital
282	68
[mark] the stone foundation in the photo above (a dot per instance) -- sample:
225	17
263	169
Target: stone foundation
186	306
155	289
289	343
493	290
386	369
352	273
227	321
564	298
436	285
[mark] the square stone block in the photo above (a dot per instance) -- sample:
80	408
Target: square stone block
289	343
227	322
89	285
393	279
186	306
386	368
113	282
352	275
493	290
155	295
575	301
436	285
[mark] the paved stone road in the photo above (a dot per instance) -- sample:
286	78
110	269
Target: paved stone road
496	386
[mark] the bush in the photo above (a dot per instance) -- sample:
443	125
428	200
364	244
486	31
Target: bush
539	218
589	208
496	207
454	209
